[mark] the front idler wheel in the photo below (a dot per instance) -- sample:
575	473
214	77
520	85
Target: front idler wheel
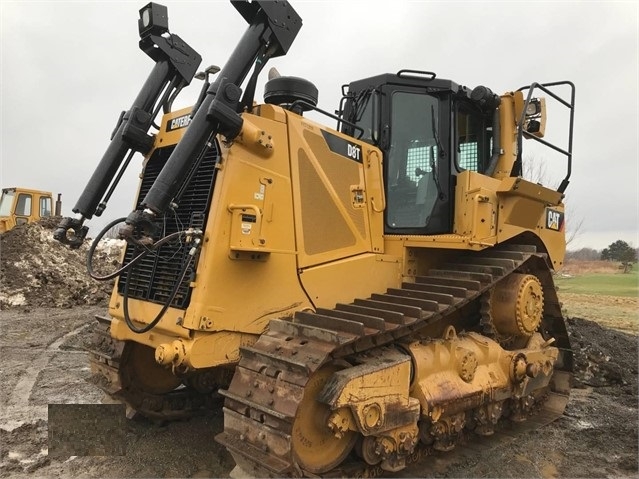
317	448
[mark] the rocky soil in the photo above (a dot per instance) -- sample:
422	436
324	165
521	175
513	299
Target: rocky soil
37	271
47	307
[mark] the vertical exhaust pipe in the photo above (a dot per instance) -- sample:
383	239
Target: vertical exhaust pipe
58	206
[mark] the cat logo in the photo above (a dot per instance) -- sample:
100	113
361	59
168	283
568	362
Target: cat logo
554	220
179	122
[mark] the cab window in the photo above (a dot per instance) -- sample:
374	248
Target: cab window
473	138
45	206
363	111
23	205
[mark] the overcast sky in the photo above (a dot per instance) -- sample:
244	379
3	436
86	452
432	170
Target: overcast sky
69	68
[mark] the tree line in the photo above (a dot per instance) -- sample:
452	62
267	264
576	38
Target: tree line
619	251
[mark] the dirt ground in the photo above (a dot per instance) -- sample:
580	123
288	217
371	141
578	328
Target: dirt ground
621	313
44	321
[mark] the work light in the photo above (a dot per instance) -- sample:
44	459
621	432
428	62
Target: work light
154	20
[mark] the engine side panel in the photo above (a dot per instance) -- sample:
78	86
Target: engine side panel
331	220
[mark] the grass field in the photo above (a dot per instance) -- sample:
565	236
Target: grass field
599	291
609	284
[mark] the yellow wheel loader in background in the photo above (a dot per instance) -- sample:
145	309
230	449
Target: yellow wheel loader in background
360	295
20	206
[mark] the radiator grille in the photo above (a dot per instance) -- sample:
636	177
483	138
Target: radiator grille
153	278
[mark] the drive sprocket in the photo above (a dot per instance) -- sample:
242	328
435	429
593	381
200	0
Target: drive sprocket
513	308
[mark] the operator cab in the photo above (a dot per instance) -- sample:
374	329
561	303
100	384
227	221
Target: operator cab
429	130
19	206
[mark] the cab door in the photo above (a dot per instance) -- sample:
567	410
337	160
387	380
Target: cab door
23	208
415	138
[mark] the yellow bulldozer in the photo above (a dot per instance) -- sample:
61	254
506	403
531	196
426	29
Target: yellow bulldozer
20	206
360	295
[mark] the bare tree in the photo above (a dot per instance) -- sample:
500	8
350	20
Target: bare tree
584	254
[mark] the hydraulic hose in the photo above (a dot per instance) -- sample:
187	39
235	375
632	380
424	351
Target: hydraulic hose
129	265
156	320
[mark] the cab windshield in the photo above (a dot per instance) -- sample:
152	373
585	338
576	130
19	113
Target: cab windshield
6	202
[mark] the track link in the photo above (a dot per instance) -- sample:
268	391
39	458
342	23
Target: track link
268	385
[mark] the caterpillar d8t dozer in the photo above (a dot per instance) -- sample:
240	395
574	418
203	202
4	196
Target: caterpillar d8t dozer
359	295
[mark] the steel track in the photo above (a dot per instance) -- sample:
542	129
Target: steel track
268	385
